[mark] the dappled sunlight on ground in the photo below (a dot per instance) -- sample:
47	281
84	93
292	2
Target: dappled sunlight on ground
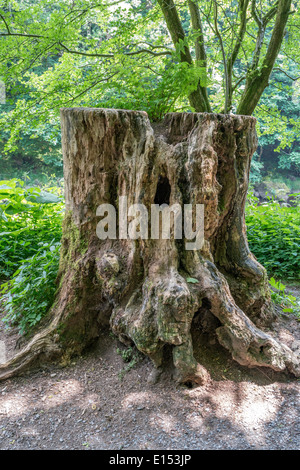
87	406
13	405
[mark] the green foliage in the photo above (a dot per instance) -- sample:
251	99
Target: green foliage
131	356
278	125
255	171
274	237
120	54
192	280
287	302
26	219
30	223
126	354
32	153
290	160
30	293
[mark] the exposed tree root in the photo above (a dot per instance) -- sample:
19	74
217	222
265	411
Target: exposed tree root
43	345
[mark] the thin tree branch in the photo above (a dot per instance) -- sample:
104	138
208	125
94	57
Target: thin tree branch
168	8
199	46
258	78
285	73
37	57
291	57
91	86
238	82
24	35
242	29
5	22
243	5
260	36
254	14
262	22
140	51
197	26
223	55
270	14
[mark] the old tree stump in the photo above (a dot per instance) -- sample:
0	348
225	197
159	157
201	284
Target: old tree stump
142	287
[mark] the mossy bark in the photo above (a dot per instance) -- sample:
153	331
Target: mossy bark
140	288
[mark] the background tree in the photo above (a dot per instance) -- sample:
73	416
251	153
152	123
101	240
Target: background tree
126	55
142	55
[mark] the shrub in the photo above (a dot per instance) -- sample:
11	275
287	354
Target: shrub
274	237
28	216
30	221
30	293
288	302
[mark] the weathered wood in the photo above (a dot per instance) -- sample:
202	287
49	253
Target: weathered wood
141	287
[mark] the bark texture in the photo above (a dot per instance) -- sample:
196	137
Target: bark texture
141	288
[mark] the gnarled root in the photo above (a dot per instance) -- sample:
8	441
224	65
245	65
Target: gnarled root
44	345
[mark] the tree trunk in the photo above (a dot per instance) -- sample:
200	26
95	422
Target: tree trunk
151	291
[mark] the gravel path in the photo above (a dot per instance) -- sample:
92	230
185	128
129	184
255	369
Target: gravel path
94	403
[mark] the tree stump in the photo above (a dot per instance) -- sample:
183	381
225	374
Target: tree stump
150	290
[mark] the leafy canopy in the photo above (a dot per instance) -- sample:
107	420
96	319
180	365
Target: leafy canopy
157	56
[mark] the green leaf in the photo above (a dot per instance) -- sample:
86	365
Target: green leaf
191	280
44	198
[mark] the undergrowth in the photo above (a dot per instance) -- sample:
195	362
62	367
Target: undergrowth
30	232
131	356
273	233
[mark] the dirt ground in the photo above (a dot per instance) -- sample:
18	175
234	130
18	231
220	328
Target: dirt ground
99	401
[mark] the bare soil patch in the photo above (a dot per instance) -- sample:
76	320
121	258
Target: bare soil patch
95	403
